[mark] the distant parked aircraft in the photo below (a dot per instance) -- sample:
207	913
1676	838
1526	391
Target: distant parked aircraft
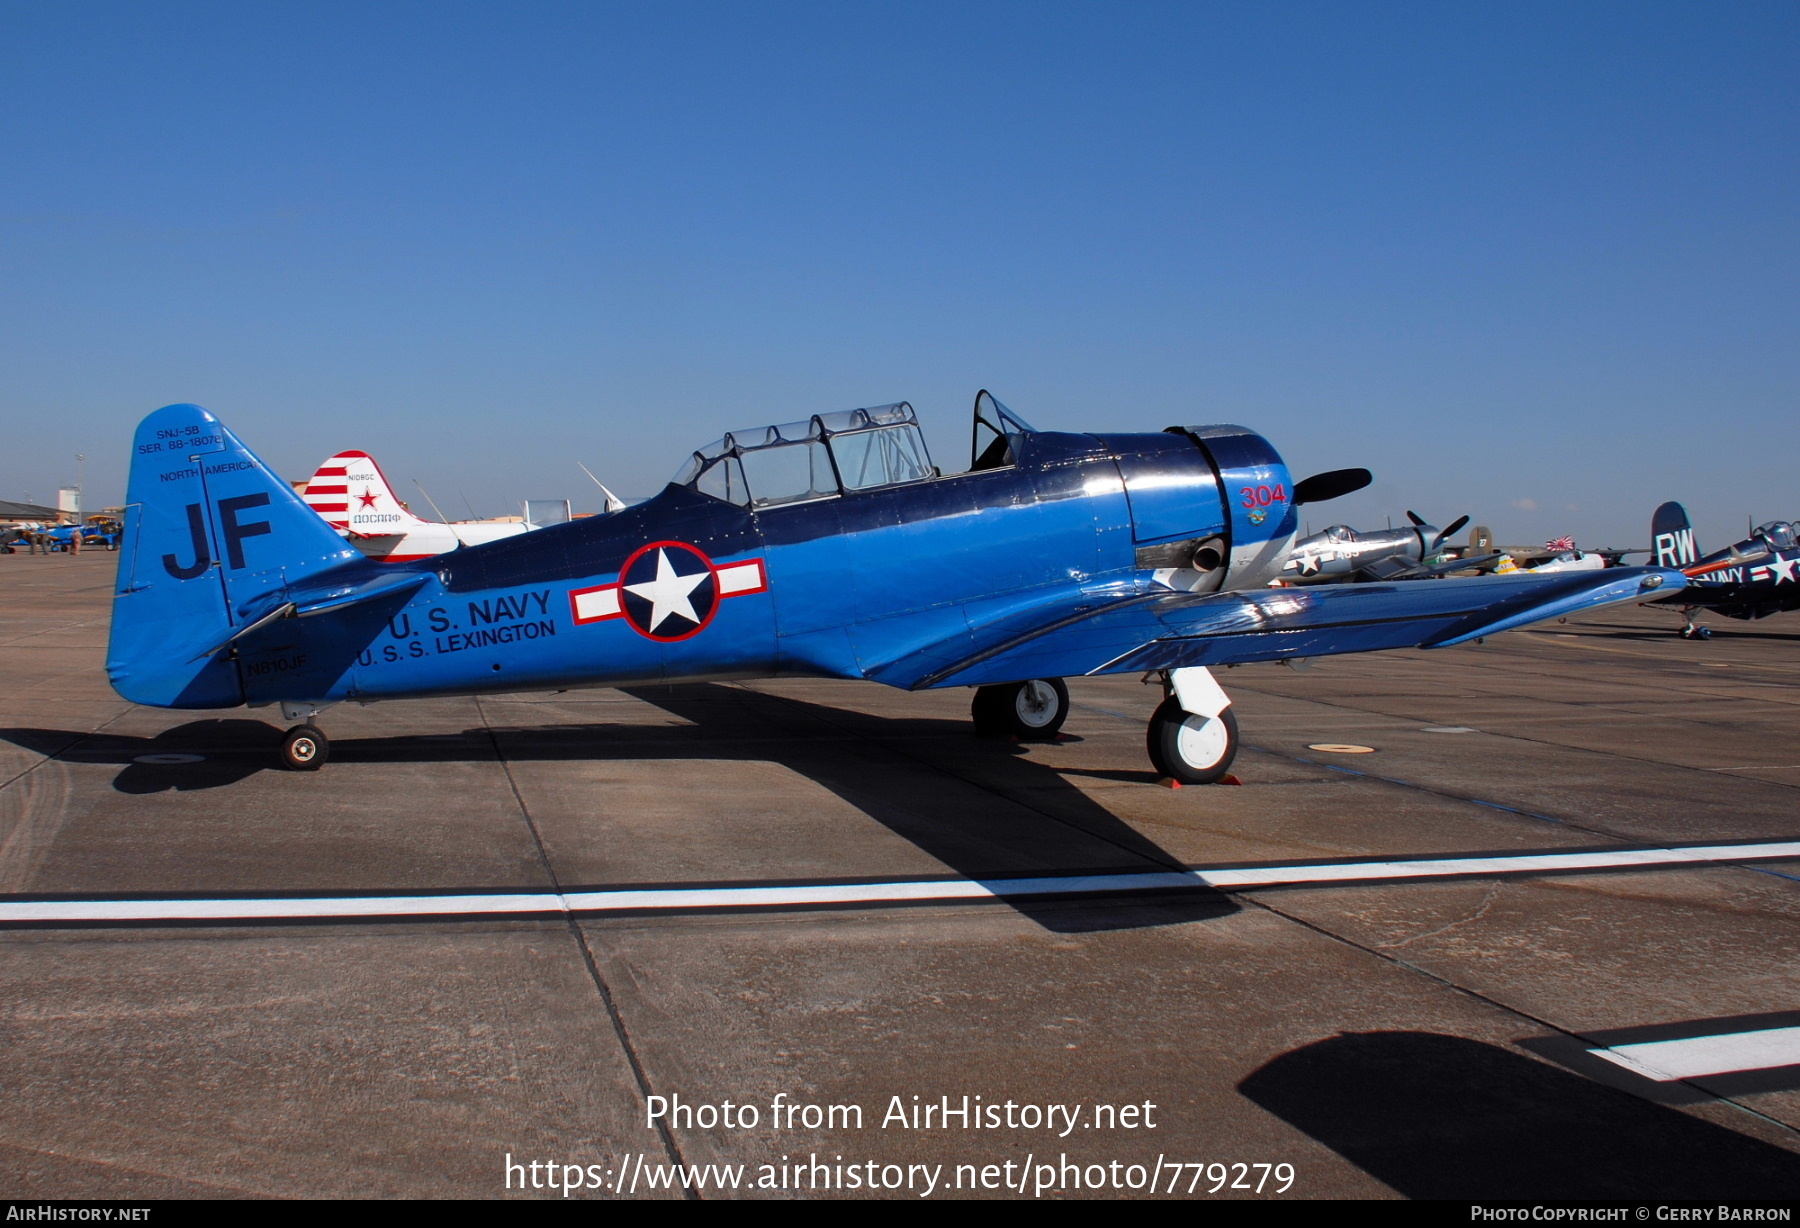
354	497
1749	579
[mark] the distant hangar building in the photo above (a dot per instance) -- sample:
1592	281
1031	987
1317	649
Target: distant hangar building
12	513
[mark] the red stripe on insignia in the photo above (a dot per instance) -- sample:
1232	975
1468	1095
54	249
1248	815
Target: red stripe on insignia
313	488
332	471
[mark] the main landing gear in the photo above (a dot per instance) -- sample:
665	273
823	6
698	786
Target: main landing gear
305	747
1031	711
1192	739
1193	735
1692	630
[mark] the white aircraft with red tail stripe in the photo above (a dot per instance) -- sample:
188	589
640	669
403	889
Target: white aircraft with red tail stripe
354	497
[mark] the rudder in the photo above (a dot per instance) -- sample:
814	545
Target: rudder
1672	538
212	538
352	493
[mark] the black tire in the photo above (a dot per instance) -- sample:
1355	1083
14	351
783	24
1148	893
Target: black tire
1031	711
304	749
1178	741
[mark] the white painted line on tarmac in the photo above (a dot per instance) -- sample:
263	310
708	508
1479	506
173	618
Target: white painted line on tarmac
877	893
823	895
1699	1056
323	907
1528	863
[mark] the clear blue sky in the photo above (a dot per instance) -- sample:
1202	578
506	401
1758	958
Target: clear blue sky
1536	262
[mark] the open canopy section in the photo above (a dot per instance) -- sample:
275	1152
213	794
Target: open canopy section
997	433
816	458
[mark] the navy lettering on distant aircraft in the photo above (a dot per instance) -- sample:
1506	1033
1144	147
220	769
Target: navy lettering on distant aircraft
235	533
202	555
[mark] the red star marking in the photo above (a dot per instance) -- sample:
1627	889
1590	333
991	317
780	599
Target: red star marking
368	497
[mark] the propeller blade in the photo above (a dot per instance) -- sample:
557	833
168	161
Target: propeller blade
1456	524
1418	521
1322	486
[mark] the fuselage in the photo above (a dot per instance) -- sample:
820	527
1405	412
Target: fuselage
690	586
417	539
1751	579
1339	551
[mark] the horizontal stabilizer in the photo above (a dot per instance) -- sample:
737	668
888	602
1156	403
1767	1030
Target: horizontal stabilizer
305	605
308	603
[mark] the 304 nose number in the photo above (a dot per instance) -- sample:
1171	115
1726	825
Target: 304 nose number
1262	496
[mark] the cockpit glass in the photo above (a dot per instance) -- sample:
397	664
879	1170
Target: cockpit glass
792	463
1779	534
724	479
998	432
884	456
695	463
788	473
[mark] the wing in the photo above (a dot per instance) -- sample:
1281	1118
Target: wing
1169	630
1418	571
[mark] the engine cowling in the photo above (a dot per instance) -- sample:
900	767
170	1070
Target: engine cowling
1257	494
1211	506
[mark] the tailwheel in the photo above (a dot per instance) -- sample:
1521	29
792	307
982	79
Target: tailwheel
304	749
1194	750
1031	711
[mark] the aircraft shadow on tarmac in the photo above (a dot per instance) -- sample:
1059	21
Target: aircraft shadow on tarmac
1627	631
1436	1116
1026	819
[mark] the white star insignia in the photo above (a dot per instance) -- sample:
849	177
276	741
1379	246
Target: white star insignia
668	593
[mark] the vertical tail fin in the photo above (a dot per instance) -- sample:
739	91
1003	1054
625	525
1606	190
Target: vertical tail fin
1672	538
354	496
212	540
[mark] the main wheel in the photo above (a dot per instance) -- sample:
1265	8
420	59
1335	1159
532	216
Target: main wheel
1189	748
1696	633
1030	711
304	749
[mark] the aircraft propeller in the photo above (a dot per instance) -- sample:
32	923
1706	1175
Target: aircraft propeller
1331	484
1443	534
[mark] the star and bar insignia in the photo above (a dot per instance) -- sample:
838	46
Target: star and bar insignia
667	591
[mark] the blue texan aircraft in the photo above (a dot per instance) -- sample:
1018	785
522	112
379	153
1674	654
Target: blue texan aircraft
830	547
